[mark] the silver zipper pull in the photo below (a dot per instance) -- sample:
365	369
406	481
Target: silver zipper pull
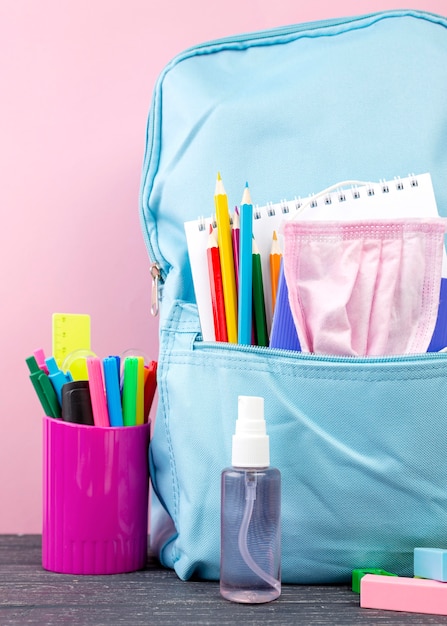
155	273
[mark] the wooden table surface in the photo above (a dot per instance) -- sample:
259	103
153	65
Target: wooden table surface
31	595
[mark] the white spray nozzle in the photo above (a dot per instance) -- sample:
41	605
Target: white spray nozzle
250	441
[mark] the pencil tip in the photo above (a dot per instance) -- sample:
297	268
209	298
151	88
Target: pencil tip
219	189
246	184
246	197
275	237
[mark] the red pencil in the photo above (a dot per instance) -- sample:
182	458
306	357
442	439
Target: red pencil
215	277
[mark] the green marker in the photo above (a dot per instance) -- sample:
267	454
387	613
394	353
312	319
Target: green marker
44	389
130	391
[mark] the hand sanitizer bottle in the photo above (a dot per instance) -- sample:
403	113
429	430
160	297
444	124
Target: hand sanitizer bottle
250	562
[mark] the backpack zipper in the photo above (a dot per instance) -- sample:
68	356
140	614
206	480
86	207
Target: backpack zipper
309	356
155	296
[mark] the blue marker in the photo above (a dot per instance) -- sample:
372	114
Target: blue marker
57	377
111	366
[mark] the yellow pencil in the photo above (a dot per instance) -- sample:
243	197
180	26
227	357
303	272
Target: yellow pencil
275	265
226	259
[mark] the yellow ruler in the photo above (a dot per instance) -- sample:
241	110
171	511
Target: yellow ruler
71	334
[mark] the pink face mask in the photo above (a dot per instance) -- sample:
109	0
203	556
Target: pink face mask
366	287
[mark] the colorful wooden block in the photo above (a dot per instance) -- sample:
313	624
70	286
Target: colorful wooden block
395	593
357	575
430	563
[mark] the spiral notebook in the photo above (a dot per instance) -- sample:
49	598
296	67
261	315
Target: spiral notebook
408	197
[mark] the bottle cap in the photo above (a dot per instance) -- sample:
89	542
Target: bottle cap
250	441
76	403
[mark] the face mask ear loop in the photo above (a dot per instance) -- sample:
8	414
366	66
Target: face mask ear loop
314	197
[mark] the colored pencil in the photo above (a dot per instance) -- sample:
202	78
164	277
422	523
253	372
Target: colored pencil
245	269
226	259
262	338
235	237
216	288
275	266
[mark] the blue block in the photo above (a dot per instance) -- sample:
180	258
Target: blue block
430	563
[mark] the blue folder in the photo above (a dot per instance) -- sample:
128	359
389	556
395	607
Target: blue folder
283	333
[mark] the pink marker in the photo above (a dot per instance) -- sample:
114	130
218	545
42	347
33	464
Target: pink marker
39	355
97	393
395	593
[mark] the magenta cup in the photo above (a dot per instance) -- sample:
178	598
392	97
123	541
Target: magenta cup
95	498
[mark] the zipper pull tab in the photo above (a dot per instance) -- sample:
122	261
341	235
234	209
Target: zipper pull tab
155	273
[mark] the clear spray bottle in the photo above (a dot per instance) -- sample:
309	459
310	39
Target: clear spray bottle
250	561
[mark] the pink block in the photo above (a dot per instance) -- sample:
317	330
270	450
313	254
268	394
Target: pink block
395	593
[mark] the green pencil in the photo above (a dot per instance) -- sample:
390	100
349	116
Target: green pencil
262	338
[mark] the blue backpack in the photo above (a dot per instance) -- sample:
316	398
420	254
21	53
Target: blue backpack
360	442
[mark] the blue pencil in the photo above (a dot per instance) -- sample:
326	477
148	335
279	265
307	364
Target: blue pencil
245	269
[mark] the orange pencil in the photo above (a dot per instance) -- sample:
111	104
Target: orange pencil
217	296
275	266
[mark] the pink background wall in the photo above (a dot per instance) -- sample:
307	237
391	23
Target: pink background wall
76	81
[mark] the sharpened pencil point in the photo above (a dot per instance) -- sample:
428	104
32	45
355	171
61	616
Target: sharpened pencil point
246	198
219	189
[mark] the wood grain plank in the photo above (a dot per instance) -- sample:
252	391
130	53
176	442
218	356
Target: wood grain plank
155	596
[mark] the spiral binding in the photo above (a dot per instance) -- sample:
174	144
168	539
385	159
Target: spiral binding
338	193
345	191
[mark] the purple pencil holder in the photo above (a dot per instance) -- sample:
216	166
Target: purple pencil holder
95	498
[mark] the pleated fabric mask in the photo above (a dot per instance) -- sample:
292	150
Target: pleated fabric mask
364	288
